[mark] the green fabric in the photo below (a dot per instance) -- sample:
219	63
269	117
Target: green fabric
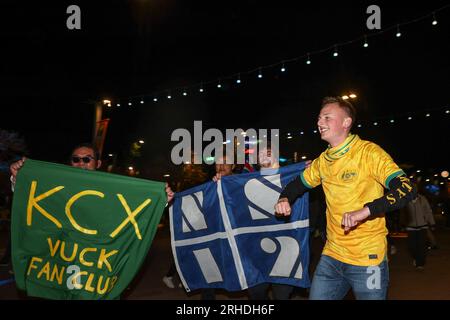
85	231
392	176
338	152
306	184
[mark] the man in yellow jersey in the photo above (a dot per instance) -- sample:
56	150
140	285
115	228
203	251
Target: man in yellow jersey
353	174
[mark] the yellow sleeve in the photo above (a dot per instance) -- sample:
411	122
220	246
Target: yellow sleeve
311	175
381	165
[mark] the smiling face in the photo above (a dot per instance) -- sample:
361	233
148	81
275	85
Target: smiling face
334	124
266	160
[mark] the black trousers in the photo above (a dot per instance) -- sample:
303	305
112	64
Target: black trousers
280	291
416	244
208	294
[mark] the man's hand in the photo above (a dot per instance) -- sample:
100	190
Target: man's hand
283	207
217	177
352	219
15	167
169	192
308	164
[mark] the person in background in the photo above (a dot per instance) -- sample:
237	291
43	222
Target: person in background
418	218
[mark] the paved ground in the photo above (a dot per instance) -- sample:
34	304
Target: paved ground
433	283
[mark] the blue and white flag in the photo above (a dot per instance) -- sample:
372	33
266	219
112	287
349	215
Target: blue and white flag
225	234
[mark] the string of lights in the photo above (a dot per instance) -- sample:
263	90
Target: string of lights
380	121
238	77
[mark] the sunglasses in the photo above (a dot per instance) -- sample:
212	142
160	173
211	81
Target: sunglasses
86	159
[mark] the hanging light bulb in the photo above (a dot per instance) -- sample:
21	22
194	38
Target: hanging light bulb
398	34
201	88
283	69
155	99
238	80
259	74
129	103
434	22
308	60
142	101
365	45
335	53
184	93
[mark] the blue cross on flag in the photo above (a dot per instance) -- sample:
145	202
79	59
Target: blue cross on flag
225	234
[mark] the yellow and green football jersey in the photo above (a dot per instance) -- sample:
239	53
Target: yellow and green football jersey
353	174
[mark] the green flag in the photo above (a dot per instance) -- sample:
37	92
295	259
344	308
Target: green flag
79	234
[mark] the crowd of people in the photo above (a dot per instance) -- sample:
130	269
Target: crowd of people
360	182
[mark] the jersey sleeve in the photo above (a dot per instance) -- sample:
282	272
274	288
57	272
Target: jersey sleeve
381	165
311	176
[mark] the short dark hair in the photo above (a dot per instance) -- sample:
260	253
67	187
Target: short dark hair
89	146
343	104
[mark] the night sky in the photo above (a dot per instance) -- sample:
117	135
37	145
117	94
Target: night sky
126	50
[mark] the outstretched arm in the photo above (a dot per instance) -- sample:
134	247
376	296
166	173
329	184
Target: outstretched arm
170	194
14	168
291	192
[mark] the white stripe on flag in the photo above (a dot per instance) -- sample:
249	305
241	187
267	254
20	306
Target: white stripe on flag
174	252
209	237
273	227
238	231
231	239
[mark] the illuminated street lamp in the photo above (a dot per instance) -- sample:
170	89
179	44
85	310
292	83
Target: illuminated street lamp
349	96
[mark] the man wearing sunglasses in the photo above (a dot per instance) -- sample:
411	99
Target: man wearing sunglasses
84	156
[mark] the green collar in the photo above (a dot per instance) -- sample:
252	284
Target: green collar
332	154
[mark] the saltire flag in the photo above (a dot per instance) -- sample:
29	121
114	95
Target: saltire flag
226	235
80	234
